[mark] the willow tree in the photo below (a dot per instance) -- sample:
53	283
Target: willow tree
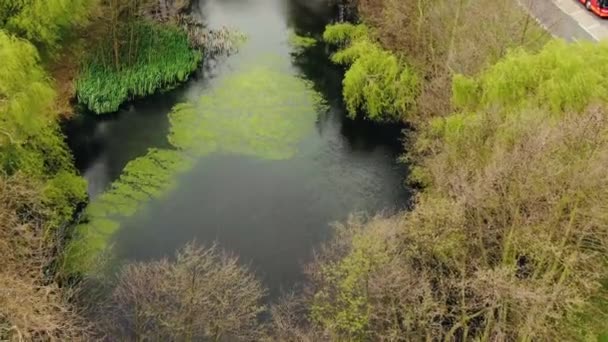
376	82
44	22
25	91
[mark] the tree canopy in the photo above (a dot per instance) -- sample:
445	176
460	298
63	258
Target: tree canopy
43	22
376	82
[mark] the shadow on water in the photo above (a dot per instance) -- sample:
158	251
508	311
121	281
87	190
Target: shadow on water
270	212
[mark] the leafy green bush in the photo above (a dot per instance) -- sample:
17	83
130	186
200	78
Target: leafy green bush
561	77
44	22
162	58
344	33
30	140
377	82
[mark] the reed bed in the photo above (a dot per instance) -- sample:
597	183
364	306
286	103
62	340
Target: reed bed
156	57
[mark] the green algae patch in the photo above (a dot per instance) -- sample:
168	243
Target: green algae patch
145	178
261	112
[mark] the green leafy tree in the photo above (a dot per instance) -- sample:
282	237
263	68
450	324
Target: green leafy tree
376	81
26	95
30	141
44	22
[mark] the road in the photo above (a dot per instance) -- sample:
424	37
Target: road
568	19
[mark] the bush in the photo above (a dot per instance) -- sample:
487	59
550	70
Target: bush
203	294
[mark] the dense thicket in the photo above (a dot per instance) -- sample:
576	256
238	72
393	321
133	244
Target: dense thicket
39	188
32	306
204	294
508	239
432	40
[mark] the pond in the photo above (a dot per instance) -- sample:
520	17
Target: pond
266	158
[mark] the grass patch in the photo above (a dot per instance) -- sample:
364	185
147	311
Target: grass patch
163	59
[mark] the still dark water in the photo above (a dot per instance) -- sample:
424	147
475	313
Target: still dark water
271	213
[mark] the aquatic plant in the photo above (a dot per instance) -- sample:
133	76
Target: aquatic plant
260	112
143	179
163	58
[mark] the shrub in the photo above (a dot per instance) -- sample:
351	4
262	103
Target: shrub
203	294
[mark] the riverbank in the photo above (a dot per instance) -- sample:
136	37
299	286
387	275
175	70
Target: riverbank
494	247
40	189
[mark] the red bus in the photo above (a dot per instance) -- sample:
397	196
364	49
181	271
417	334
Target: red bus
599	7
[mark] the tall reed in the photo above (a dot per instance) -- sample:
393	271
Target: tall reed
156	57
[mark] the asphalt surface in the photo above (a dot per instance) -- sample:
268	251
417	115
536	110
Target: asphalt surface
568	19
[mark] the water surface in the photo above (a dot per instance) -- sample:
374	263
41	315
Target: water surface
271	205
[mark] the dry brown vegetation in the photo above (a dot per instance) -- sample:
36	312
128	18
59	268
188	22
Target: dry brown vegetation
203	294
32	306
511	250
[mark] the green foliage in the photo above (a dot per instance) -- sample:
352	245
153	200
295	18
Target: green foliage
26	95
260	112
376	81
160	59
345	33
143	179
30	140
44	22
62	194
347	315
301	43
561	77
